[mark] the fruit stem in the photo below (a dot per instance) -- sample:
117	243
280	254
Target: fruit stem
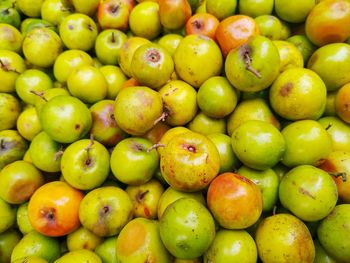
91	143
40	94
162	117
113	37
248	63
343	175
155	146
141	195
58	154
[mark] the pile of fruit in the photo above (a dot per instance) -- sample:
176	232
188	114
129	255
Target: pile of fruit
164	131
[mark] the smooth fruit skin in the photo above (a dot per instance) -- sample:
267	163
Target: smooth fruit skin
269	26
221	9
10	110
30	8
65	119
13	147
342	103
189	162
248	66
307	142
258	144
290	56
321	255
82	238
36	244
254	8
328	22
8	240
174	14
333	233
22	219
106	210
115	78
284	238
11	38
235	31
298	94
187	228
8	215
28	123
304	45
85	164
53	11
204	24
53	209
19	180
308	200
139	241
235	201
106	250
339	131
206	125
332	63
232	246
82	255
294	11
193	52
137	109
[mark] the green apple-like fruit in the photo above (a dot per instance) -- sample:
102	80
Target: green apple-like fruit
28	123
65	119
113	14
248	67
269	26
78	31
9	14
85	164
106	250
254	8
88	7
19	181
7	215
187	228
81	255
106	210
11	38
10	109
54	11
201	123
139	241
82	238
30	8
294	11
339	131
12	147
170	42
22	219
115	78
8	240
290	55
133	161
221	8
41	46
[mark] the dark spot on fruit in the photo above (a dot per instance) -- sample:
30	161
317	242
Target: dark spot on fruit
85	246
197	24
328	166
306	192
153	55
141	195
2	145
332	38
88	162
105	210
49	214
137	147
329	126
286	89
77	126
190	148
70	27
114	9
347	106
90	27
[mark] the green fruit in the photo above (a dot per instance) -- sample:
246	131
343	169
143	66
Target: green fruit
7	216
307	142
294	11
53	11
290	56
22	219
232	246
8	240
284	238
28	123
36	244
248	67
216	97
254	8
206	125
221	8
321	255
82	238
187	228
9	14
258	145
10	110
11	38
298	94
170	42
333	233
81	256
30	259
339	131
332	63
65	119
267	181
269	26
139	241
115	78
193	52
12	147
308	200
304	45
152	65
106	250
29	24
30	8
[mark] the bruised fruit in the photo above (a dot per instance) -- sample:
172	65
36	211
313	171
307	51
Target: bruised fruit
235	201
189	162
284	238
137	109
248	67
187	228
298	94
193	52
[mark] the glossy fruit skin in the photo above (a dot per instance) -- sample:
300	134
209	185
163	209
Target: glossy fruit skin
298	94
115	78
19	181
189	162
221	9
105	210
339	131
137	109
342	103
253	56
53	11
22	219
8	240
11	38
132	163
58	214
269	26
321	255
106	250
328	22
86	157
235	201
82	238
307	142
232	246
254	8
294	12
8	215
308	200
337	164
235	31
258	144
206	125
187	240
83	255
174	13
284	238
36	245
333	232
204	24
28	124
10	109
206	51
304	45
13	147
65	128
332	62
290	56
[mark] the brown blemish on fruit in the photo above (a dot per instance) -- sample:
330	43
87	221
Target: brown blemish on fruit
286	89
153	55
132	240
306	192
114	9
140	196
197	24
246	52
77	126
21	191
328	166
49	214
